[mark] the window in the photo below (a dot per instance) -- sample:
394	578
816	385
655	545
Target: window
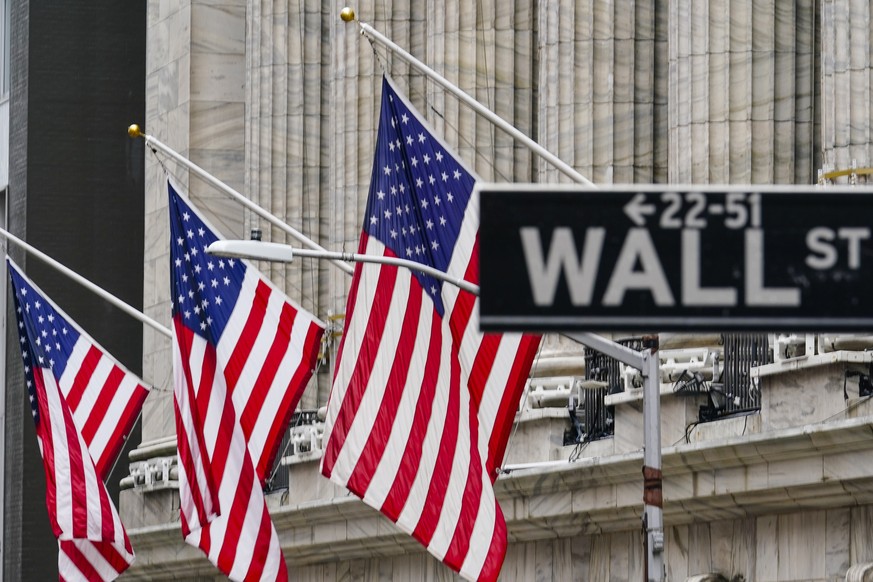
5	17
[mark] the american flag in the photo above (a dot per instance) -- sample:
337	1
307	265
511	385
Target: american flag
84	405
422	404
242	354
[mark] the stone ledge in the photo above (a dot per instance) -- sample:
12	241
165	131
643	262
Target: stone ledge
815	466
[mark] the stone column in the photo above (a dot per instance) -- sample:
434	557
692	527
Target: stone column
741	89
846	73
287	141
600	100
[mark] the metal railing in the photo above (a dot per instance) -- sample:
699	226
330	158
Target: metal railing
596	417
279	475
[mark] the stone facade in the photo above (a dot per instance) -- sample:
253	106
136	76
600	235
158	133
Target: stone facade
280	100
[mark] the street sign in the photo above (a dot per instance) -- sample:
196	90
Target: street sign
659	258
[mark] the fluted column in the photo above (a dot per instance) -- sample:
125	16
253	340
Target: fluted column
741	87
599	98
846	71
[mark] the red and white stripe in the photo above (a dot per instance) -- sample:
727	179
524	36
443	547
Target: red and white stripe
92	541
233	402
422	406
105	400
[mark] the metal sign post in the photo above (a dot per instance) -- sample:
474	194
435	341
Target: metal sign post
648	363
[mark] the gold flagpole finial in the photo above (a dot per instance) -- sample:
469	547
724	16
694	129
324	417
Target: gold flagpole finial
134	131
347	14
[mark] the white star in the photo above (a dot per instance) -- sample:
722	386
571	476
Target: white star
408	252
457	175
373	219
190	233
409	139
201	286
194	252
202	326
226	281
178	262
197	309
393	190
431	179
450	197
442	220
180	241
197	269
24	291
436	200
380	195
429	224
424	203
181	298
387	214
433	290
391	145
200	231
210	265
413	162
51	318
186	217
426	158
231	262
185	278
404	118
218	300
187	315
421	138
399	211
419	182
37	304
434	245
387	170
445	176
220	263
214	283
393	234
439	156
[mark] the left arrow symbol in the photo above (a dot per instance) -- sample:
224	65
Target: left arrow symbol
637	211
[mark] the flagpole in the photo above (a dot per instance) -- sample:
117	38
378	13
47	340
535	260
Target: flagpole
96	289
348	15
134	131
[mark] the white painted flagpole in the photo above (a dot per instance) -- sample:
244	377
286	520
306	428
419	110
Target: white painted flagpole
94	288
134	132
348	15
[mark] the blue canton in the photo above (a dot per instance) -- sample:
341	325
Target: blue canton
45	337
205	288
418	192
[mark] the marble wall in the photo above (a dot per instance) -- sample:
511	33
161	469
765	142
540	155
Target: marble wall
280	99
